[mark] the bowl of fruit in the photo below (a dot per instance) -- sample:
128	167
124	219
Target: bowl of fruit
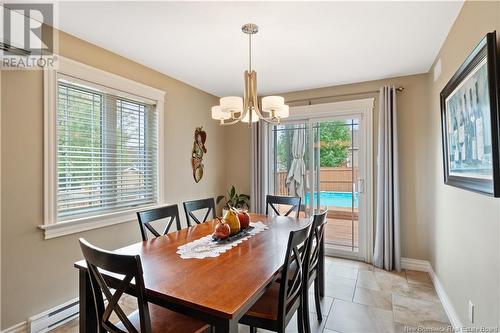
234	225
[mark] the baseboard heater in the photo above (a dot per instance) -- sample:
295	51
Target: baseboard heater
54	317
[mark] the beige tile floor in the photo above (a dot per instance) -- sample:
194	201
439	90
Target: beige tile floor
363	299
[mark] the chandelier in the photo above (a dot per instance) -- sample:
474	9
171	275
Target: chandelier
233	109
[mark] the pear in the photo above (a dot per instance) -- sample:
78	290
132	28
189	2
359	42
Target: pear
231	218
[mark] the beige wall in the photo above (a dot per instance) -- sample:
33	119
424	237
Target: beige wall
37	274
464	236
238	154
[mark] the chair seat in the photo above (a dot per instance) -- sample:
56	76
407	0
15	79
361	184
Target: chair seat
267	306
165	321
264	313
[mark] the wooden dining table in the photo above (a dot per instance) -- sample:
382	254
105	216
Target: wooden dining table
216	290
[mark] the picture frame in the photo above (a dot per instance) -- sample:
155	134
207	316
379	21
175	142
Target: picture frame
470	122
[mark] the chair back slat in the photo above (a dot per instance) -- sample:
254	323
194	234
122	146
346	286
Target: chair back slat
273	200
192	206
146	217
316	239
295	283
130	267
291	288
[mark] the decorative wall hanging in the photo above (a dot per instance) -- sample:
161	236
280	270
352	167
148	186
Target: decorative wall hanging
470	120
200	136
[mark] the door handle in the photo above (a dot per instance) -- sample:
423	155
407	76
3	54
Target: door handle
361	186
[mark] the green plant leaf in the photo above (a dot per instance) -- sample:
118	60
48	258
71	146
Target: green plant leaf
233	191
219	198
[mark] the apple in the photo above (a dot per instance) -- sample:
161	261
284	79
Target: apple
222	229
244	219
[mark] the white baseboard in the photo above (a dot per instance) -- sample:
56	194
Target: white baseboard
425	266
448	307
416	265
19	328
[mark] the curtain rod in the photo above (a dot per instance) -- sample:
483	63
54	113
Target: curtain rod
398	90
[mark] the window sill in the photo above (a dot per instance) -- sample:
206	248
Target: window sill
79	225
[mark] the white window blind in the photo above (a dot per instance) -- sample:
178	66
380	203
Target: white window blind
106	151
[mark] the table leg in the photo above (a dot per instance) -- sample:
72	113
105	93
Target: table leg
88	320
321	267
226	326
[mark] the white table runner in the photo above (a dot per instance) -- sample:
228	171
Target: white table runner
206	247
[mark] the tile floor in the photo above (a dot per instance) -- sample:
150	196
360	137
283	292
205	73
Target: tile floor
360	298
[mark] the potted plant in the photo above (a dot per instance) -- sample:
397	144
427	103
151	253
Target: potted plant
234	200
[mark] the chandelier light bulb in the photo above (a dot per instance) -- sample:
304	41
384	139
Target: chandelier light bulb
272	103
283	111
217	113
231	104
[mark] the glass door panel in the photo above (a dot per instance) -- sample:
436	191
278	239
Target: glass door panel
329	153
291	163
338	172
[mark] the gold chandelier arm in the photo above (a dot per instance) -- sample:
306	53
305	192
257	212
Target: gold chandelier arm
233	121
253	96
275	121
225	123
271	120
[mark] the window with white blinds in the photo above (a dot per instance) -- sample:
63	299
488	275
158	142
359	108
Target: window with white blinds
106	151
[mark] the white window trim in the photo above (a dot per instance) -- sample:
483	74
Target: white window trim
80	71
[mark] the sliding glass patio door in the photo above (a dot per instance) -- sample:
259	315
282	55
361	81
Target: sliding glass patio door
321	161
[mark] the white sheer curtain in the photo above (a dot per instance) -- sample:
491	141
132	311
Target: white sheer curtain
387	252
296	178
260	167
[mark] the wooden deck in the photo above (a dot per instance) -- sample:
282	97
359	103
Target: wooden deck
342	228
339	234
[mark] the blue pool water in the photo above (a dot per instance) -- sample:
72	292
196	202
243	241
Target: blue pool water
337	199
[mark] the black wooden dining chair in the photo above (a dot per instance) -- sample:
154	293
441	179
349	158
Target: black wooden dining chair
273	200
195	205
274	310
147	216
313	265
148	317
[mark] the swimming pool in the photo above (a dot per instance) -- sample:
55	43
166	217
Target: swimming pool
337	199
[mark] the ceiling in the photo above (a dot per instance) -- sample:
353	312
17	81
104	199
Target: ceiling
300	45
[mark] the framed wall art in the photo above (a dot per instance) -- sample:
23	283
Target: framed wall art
470	120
